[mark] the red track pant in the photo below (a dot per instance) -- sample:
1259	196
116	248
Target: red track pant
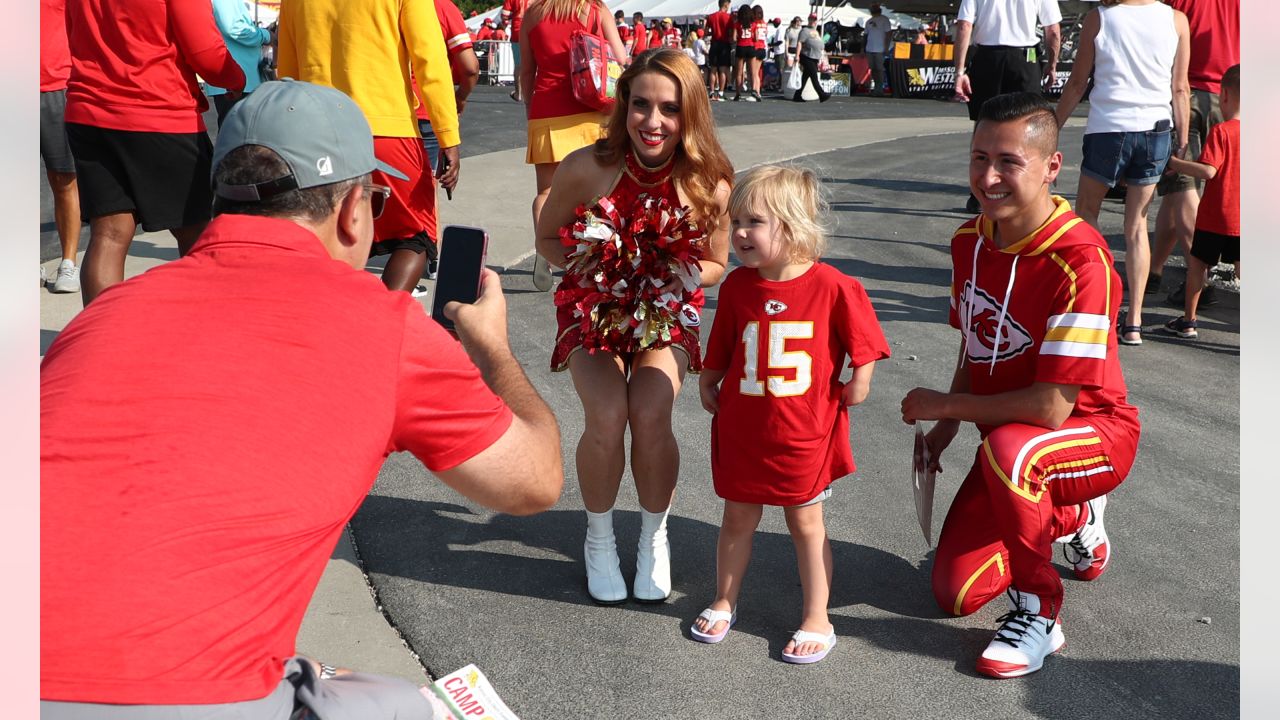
1025	490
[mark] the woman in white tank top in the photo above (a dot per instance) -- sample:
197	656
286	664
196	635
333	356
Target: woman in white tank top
1137	53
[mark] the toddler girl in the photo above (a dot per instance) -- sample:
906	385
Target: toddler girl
783	326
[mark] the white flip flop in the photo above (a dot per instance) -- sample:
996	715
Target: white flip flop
712	617
803	636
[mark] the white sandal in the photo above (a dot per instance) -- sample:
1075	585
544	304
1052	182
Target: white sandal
712	617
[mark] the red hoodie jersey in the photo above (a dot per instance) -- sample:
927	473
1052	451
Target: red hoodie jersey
140	74
1043	309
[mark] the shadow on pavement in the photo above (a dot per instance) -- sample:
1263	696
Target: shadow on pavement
541	557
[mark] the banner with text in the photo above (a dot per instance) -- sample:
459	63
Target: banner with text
911	78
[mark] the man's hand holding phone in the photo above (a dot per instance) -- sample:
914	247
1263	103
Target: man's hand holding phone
481	326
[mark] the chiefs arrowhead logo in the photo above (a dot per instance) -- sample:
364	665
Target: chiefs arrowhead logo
984	317
773	307
689	316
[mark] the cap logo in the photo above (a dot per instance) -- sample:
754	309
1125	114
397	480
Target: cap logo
324	166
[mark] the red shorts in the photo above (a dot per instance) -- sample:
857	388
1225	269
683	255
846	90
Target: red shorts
1023	492
411	209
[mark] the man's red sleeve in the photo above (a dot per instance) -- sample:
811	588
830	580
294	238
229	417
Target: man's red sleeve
197	37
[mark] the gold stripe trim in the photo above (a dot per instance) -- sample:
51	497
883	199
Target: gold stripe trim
964	590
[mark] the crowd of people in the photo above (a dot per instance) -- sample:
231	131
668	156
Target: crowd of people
221	418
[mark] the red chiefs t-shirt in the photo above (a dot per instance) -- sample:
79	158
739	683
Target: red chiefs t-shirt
456	39
744	35
782	431
1220	206
55	55
199	459
761	31
1057	324
1215	40
721	26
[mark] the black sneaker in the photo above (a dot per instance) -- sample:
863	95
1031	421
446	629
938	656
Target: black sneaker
1178	298
1153	282
1183	328
973	206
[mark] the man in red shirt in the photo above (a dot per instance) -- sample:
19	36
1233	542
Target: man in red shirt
513	14
1035	295
720	23
486	31
55	150
210	426
1215	46
641	34
134	121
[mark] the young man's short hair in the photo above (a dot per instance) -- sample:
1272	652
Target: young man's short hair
1042	124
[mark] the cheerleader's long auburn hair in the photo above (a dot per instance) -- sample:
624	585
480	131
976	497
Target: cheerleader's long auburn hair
699	162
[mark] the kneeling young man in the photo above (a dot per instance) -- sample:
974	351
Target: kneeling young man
1035	296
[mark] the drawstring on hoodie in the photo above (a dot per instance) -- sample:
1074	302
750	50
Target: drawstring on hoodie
1004	307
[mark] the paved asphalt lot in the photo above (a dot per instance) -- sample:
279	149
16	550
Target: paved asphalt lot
1157	636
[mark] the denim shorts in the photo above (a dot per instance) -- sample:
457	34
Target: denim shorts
1138	157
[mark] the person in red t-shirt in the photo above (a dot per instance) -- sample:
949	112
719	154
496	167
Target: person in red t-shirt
513	14
640	33
760	32
720	24
744	37
784	325
1217	236
1215	46
486	31
1035	296
134	121
55	150
209	427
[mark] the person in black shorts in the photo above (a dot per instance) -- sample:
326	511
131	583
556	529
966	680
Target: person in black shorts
142	151
1006	55
720	58
59	165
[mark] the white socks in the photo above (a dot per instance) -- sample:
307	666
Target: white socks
653	558
605	583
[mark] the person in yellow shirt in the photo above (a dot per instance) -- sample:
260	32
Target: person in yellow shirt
368	50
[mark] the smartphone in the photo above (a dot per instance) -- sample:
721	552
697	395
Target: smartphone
463	251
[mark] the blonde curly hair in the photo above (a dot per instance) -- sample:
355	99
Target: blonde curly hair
792	194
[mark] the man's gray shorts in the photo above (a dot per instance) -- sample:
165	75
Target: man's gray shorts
300	696
54	146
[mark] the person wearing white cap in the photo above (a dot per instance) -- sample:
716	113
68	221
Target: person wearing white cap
209	427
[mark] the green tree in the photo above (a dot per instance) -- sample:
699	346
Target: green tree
480	6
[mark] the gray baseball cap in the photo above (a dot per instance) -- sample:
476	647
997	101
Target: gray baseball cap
318	131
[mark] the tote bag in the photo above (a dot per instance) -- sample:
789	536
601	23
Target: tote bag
794	78
593	69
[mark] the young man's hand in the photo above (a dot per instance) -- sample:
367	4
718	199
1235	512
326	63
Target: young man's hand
923	404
